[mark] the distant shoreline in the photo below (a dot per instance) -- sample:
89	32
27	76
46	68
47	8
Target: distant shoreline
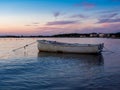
70	35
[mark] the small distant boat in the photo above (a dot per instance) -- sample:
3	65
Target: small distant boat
60	47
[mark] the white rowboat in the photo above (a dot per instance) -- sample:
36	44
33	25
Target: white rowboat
54	46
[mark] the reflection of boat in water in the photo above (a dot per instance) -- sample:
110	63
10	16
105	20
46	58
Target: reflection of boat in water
54	46
83	58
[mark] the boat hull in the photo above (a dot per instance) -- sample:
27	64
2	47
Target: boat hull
68	48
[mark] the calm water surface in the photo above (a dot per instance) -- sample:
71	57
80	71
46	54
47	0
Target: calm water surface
26	69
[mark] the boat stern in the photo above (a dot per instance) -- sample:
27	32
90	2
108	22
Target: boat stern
101	46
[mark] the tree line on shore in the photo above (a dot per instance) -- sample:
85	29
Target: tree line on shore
83	35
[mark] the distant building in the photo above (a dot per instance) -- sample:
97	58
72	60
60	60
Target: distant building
93	35
101	34
113	36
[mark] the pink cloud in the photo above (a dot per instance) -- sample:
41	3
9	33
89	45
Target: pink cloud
51	29
47	30
108	28
86	5
105	24
103	28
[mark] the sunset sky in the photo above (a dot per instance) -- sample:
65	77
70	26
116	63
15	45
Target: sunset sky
48	17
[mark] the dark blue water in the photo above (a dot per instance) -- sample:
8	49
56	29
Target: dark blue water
55	71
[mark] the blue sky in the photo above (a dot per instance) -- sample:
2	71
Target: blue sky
46	17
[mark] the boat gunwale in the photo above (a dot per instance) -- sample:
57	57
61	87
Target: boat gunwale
67	44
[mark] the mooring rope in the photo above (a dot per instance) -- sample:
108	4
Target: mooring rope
107	50
23	46
8	53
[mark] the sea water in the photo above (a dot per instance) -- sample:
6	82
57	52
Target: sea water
27	69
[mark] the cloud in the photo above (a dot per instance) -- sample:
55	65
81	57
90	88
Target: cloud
61	22
56	14
35	23
109	15
111	28
28	25
48	30
109	20
109	11
78	16
86	5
